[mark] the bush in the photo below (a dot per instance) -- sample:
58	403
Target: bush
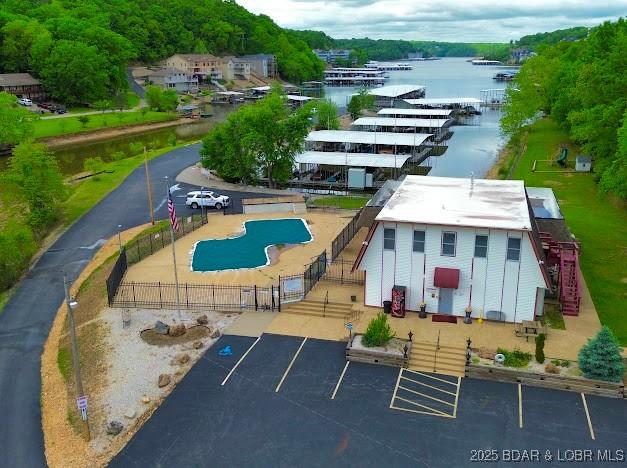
601	358
475	360
565	363
118	155
378	332
516	358
84	120
540	348
136	148
94	165
17	246
555	362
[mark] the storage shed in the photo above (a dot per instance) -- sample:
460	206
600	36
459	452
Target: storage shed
583	164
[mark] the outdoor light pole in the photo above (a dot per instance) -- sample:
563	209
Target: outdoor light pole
202	205
120	237
176	275
71	305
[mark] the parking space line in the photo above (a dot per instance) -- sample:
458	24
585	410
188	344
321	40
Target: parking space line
400	374
430	386
433	410
337	385
520	415
428	413
585	406
426	396
431	377
278	387
240	360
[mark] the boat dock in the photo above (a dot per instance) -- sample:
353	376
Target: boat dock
388	66
354	77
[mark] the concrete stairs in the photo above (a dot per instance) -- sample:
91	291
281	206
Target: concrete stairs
450	360
318	309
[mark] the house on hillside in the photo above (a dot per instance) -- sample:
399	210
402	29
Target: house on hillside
235	68
263	65
173	78
333	56
520	54
454	243
22	85
205	67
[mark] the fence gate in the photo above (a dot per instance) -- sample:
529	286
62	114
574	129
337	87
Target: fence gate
292	288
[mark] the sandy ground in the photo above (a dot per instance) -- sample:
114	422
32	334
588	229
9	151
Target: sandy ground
292	260
135	366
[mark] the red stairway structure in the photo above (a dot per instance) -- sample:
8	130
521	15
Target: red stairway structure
564	255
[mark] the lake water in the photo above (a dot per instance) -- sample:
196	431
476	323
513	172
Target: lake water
474	147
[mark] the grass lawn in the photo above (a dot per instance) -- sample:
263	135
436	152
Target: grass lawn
598	223
346	203
68	125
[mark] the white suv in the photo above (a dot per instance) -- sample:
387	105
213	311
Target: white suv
196	199
25	101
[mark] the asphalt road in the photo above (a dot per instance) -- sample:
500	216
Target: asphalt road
248	422
27	317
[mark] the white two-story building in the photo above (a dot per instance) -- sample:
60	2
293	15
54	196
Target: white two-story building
455	243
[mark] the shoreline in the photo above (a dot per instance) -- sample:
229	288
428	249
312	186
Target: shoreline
64	141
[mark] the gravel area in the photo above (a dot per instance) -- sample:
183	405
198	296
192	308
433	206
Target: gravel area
134	366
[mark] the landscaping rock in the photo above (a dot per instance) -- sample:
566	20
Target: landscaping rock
161	328
215	333
114	427
202	320
177	330
198	344
130	413
182	358
164	380
485	353
551	369
145	400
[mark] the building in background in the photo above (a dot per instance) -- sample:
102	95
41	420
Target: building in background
22	85
263	65
173	78
456	245
205	67
332	56
234	68
521	54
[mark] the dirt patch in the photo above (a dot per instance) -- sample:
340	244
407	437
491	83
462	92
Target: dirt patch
198	332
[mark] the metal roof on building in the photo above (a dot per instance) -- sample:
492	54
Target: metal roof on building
296	97
400	122
369	138
414	112
481	203
443	101
395	91
17	79
352	159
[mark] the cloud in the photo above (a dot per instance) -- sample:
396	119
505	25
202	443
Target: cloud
444	20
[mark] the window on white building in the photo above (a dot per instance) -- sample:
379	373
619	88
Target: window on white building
419	241
449	241
513	248
481	246
389	238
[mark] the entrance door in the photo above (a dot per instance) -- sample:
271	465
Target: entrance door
445	304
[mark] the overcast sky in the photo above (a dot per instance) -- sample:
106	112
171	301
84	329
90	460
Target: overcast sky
441	20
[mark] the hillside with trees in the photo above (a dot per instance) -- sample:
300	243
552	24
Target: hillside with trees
533	41
581	85
80	50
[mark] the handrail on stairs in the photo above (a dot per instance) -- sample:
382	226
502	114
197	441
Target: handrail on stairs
326	301
435	353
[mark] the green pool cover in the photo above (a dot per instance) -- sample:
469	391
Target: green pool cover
250	249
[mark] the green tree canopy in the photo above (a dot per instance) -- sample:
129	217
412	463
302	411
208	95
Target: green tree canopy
160	100
601	357
16	123
326	115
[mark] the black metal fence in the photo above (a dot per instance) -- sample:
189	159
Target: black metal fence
314	272
344	237
116	275
144	246
340	272
197	296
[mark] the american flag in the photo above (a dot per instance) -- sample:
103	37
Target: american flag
172	213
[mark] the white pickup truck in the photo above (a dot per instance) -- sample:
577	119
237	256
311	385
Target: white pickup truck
196	199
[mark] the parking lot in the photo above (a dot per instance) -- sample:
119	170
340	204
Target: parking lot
289	401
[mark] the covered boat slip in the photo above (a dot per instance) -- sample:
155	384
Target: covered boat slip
416	113
404	125
354	80
369	142
455	103
390	96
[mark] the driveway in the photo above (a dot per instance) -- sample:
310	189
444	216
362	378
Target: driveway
27	317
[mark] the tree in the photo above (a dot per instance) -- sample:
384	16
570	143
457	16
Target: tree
16	123
102	105
378	332
34	176
17	246
84	120
601	358
326	115
359	102
540	347
159	100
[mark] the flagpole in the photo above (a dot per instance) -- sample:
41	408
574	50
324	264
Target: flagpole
176	275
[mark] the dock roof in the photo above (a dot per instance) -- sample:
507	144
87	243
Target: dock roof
395	91
369	138
482	203
296	97
401	122
415	112
332	158
442	101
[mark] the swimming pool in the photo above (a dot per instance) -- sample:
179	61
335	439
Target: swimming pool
249	250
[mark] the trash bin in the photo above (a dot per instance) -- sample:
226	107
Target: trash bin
387	306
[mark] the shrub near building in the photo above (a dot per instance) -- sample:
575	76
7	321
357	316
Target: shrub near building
601	358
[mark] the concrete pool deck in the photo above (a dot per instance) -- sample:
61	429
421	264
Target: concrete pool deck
324	226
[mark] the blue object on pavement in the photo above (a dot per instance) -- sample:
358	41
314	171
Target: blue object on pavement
226	351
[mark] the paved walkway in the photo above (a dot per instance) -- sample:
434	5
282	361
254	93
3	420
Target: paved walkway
193	175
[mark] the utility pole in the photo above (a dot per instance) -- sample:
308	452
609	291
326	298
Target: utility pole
71	305
149	189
